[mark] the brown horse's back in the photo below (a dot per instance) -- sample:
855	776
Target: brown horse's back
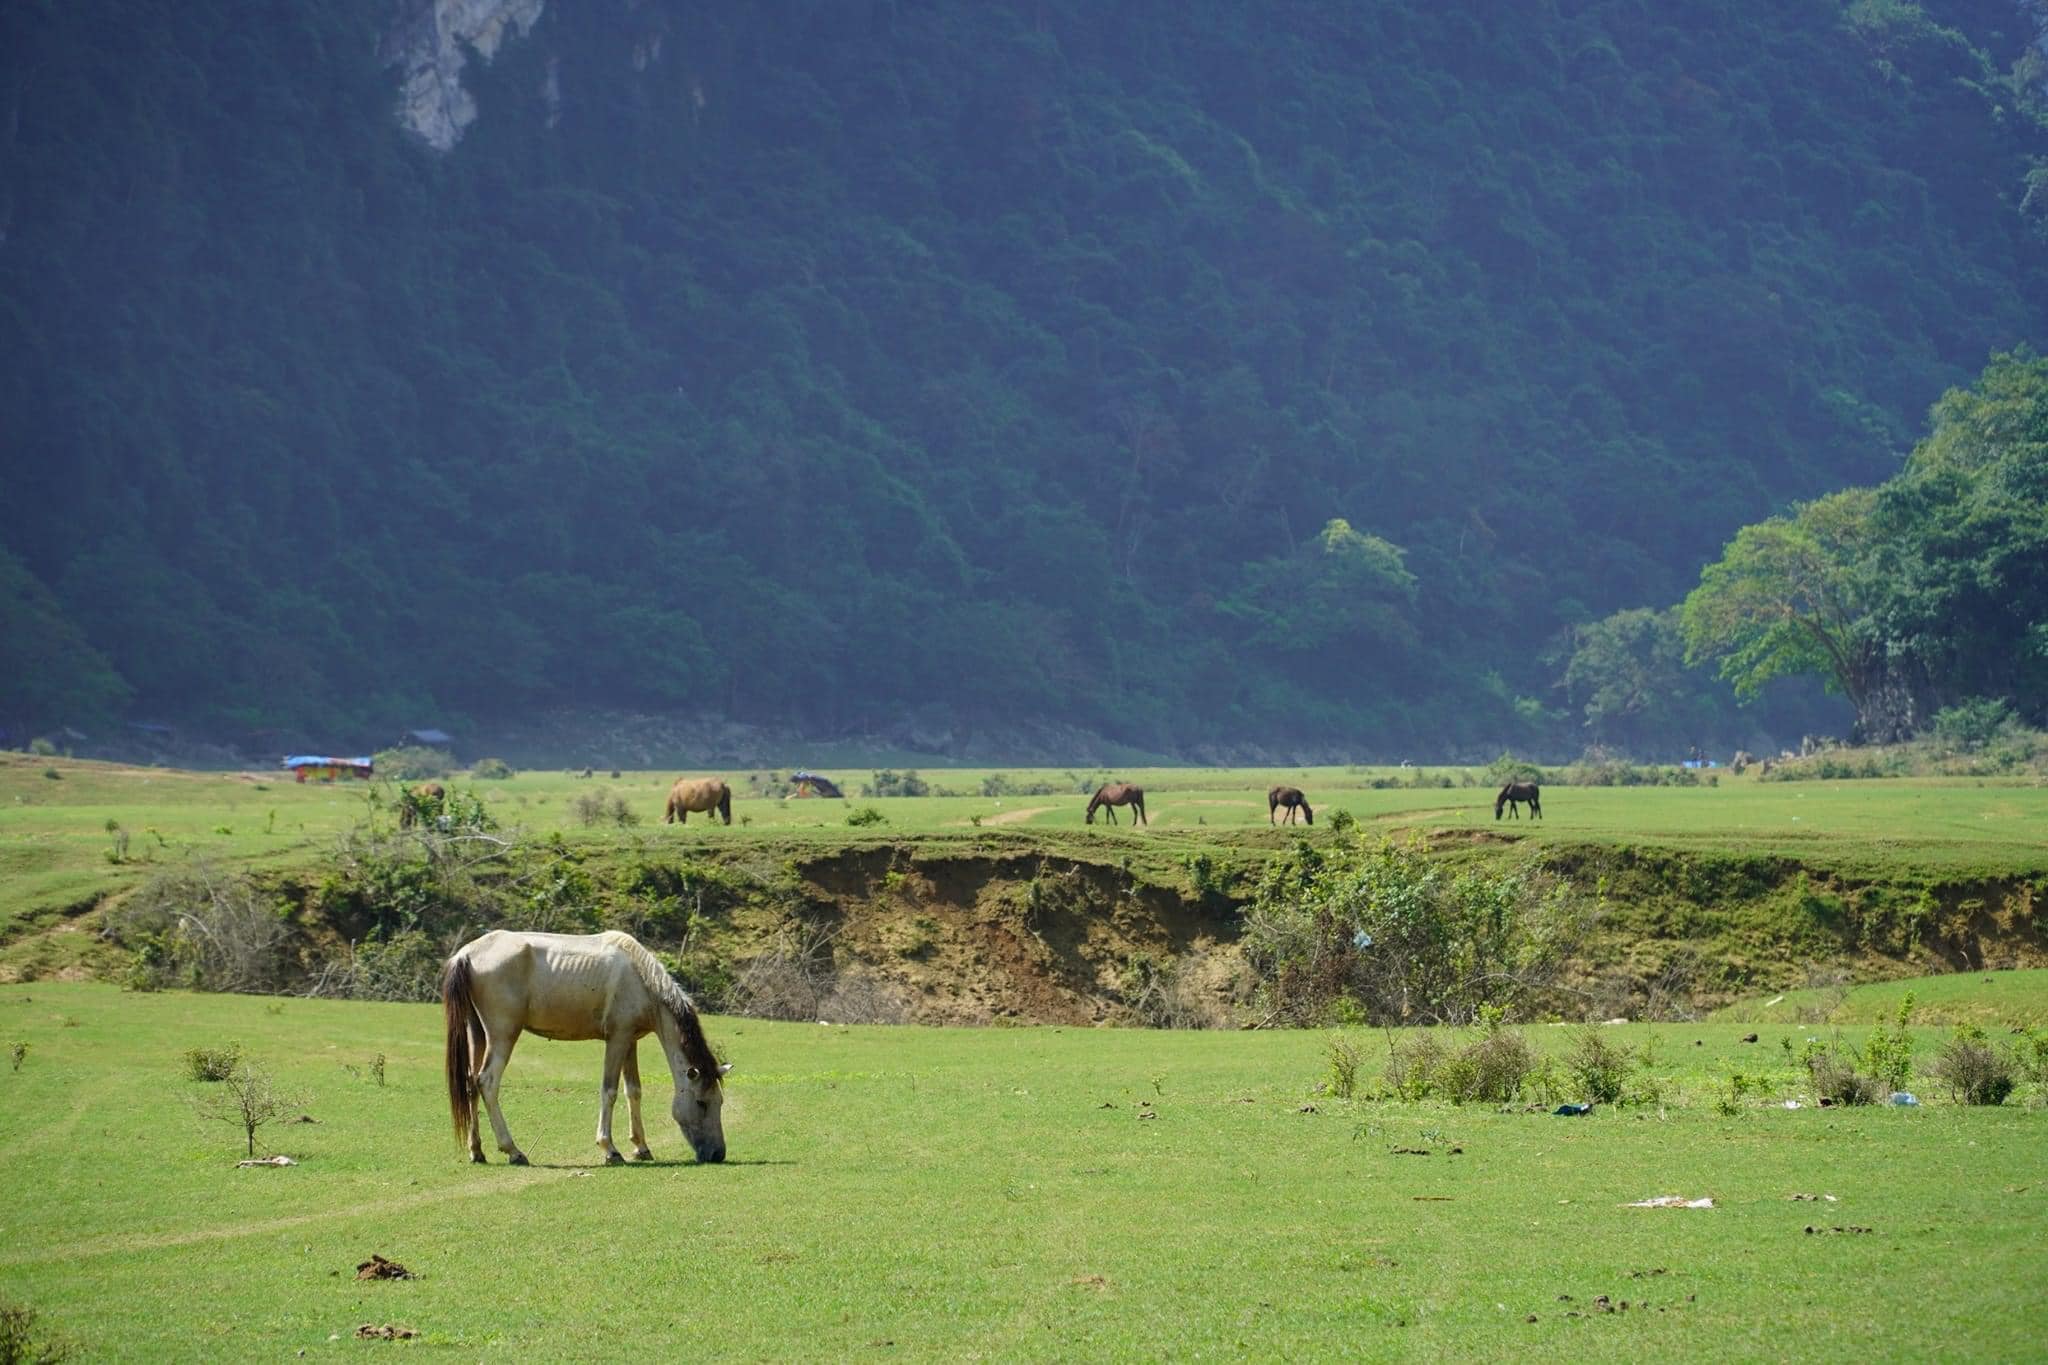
699	794
1114	794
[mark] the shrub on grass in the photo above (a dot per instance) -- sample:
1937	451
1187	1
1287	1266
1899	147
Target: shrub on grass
865	815
1836	1079
212	1063
490	769
1492	1069
1974	1071
604	808
250	1100
1602	1068
889	782
1888	1051
22	1343
1342	1057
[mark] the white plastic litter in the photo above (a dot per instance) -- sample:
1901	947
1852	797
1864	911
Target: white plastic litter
1905	1099
279	1160
1792	1104
1672	1201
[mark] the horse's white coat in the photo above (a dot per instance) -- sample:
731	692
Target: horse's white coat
573	987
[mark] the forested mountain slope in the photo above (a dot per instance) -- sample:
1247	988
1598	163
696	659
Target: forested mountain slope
1285	373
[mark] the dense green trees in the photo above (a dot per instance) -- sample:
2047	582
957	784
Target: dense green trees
1288	373
1926	591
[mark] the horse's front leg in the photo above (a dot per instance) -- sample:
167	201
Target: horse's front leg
499	1052
640	1150
616	1049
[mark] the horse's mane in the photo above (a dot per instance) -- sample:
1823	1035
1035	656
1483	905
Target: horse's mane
676	1000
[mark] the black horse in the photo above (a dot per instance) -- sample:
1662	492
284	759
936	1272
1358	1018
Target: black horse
1514	793
1293	800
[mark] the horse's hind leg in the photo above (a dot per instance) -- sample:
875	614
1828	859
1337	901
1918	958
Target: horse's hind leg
616	1049
479	1049
497	1052
640	1151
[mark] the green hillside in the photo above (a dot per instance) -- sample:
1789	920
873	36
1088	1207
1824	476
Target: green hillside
1194	373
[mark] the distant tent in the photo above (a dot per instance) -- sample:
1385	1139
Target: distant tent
322	768
433	739
810	784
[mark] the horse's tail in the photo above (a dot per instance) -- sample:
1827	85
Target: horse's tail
459	1006
725	803
670	819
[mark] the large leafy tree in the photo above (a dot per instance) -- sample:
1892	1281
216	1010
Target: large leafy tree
1628	677
1802	594
1964	556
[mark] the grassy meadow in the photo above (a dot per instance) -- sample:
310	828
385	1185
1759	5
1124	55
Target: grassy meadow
1036	1192
62	822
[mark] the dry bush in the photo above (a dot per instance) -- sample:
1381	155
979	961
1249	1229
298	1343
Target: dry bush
1171	993
199	928
1836	1078
1974	1071
1489	1070
790	979
604	808
862	998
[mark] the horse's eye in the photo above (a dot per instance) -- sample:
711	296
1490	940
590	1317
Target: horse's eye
695	1074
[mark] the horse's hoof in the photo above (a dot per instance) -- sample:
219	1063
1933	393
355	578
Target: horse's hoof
477	1158
614	1159
519	1159
643	1155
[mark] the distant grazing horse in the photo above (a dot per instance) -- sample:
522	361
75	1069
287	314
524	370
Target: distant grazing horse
706	793
1515	792
1115	794
572	987
421	802
1291	798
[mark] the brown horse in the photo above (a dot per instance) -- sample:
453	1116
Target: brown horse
1114	794
1291	798
703	794
421	802
1514	793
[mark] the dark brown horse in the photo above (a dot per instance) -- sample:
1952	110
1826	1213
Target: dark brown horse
1513	794
1291	798
1116	794
423	802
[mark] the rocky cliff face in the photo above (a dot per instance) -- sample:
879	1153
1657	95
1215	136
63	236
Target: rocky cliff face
430	44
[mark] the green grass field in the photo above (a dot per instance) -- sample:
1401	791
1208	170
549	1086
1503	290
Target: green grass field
1039	1193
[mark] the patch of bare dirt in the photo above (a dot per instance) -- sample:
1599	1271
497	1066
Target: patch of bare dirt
1027	936
1013	817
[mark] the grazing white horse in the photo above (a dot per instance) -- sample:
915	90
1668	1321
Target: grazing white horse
571	987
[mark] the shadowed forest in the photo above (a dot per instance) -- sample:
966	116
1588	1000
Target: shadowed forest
1300	375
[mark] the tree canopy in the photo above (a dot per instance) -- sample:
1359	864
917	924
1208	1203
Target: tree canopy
1289	373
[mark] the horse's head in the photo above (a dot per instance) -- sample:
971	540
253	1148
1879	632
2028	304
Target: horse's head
697	1106
1089	819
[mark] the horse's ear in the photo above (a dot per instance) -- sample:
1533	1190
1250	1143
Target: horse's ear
724	1068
